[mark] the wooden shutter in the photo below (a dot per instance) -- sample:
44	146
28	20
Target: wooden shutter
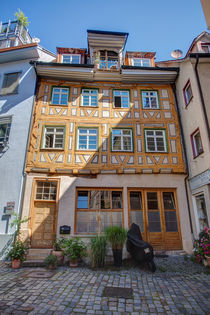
10	83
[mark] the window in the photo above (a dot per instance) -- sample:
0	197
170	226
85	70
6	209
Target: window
46	190
97	209
196	143
108	59
205	47
201	210
155	140
170	212
136	210
122	140
153	212
187	93
60	96
71	59
53	137
5	125
89	97
121	99
141	62
10	83
150	99
87	139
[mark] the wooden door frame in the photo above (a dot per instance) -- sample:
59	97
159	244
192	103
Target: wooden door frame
33	200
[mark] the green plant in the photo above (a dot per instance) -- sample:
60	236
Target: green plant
18	251
51	260
22	19
17	223
98	247
74	248
185	257
202	246
58	244
116	235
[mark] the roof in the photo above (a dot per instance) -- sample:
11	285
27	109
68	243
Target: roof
195	40
108	33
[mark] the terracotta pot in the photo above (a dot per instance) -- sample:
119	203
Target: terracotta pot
16	263
73	263
208	260
59	255
52	267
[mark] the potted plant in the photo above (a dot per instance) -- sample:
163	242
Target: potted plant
116	235
74	248
202	247
51	261
17	253
57	250
98	248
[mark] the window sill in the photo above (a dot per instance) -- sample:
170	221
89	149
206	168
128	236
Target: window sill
159	152
86	150
195	156
88	106
148	108
66	105
8	94
51	149
186	104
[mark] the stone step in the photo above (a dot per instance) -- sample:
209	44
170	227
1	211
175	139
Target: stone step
33	263
38	254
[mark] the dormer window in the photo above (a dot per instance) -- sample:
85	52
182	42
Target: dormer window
141	62
108	59
205	47
71	58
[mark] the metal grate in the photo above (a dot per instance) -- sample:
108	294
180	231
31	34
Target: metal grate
126	293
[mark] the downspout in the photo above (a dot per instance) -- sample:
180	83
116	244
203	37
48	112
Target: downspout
201	96
27	146
185	156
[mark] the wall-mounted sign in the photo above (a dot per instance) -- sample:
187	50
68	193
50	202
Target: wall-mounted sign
200	180
10	207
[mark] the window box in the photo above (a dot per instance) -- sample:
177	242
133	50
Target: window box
60	96
121	99
90	97
155	140
87	139
122	140
5	125
150	99
10	83
197	146
187	91
141	62
71	58
96	209
53	137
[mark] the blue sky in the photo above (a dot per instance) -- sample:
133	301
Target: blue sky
153	25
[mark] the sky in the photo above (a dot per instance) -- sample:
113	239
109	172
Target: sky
153	25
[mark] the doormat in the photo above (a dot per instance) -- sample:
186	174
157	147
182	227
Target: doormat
41	274
126	293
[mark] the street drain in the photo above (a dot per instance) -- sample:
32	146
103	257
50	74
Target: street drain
40	274
126	293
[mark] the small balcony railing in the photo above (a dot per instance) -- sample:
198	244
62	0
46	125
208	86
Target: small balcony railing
14	29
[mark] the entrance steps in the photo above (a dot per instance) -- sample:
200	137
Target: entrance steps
36	257
170	252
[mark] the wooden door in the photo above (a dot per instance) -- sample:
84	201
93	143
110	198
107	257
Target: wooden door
43	224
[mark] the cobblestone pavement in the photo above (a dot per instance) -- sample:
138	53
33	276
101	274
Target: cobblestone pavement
80	290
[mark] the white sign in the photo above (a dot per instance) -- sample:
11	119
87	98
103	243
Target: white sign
200	180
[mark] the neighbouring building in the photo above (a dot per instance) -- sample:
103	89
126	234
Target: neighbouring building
105	147
206	11
193	94
17	88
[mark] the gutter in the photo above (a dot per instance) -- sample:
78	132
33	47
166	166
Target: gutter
185	156
197	56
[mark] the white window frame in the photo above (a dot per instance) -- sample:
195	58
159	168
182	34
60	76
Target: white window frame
141	62
5	88
187	96
122	136
88	135
70	58
60	95
5	121
150	99
155	137
54	133
205	45
196	151
120	92
90	97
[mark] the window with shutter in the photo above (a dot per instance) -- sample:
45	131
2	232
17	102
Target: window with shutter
10	83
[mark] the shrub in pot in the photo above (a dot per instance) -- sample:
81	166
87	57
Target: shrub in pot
116	236
74	248
202	247
51	261
98	248
58	250
17	253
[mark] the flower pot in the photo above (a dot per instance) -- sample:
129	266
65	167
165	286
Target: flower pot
117	254
73	263
59	255
16	263
208	260
52	267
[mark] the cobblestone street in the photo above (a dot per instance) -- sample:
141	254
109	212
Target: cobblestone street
80	290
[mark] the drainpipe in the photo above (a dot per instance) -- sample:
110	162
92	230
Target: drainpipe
185	156
27	146
201	96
